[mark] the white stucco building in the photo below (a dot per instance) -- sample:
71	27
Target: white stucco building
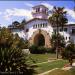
38	28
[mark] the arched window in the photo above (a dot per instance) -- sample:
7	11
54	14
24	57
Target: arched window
66	38
36	25
27	30
41	25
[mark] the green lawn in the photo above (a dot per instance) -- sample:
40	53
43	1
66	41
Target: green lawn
38	58
50	65
62	72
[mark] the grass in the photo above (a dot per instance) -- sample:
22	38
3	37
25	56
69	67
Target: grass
62	72
38	58
50	65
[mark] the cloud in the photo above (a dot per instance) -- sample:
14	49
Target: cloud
17	12
9	13
71	22
48	5
29	4
70	12
0	13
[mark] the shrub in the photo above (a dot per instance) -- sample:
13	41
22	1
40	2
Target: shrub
69	52
41	50
33	49
12	59
50	50
37	49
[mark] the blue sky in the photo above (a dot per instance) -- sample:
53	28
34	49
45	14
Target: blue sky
18	10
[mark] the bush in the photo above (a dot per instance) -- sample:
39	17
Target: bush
33	49
12	58
69	52
37	49
40	49
50	50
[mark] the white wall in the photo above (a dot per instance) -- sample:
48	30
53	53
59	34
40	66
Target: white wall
49	29
20	33
29	26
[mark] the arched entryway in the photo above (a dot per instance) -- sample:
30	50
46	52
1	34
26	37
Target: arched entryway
39	40
40	35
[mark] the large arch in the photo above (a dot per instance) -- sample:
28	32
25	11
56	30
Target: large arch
39	40
42	33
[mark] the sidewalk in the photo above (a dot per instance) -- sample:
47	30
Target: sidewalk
64	68
47	61
48	71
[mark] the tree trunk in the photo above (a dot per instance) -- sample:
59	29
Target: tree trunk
57	38
70	61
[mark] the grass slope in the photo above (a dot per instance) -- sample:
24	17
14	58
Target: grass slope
38	58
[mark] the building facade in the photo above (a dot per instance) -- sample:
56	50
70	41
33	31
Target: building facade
39	31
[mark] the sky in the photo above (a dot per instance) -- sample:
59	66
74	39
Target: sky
11	11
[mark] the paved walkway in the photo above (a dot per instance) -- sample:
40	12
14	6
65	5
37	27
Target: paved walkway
69	67
47	61
66	68
48	71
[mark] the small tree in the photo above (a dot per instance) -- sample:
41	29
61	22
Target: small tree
58	19
61	42
69	52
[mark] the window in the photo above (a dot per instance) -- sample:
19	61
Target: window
36	26
65	29
61	29
40	25
69	38
45	10
66	38
38	9
54	30
27	30
73	31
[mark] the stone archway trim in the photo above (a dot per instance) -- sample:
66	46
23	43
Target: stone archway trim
45	34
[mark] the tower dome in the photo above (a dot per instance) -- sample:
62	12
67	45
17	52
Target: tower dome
40	11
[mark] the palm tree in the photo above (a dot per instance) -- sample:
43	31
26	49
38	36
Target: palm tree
58	19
